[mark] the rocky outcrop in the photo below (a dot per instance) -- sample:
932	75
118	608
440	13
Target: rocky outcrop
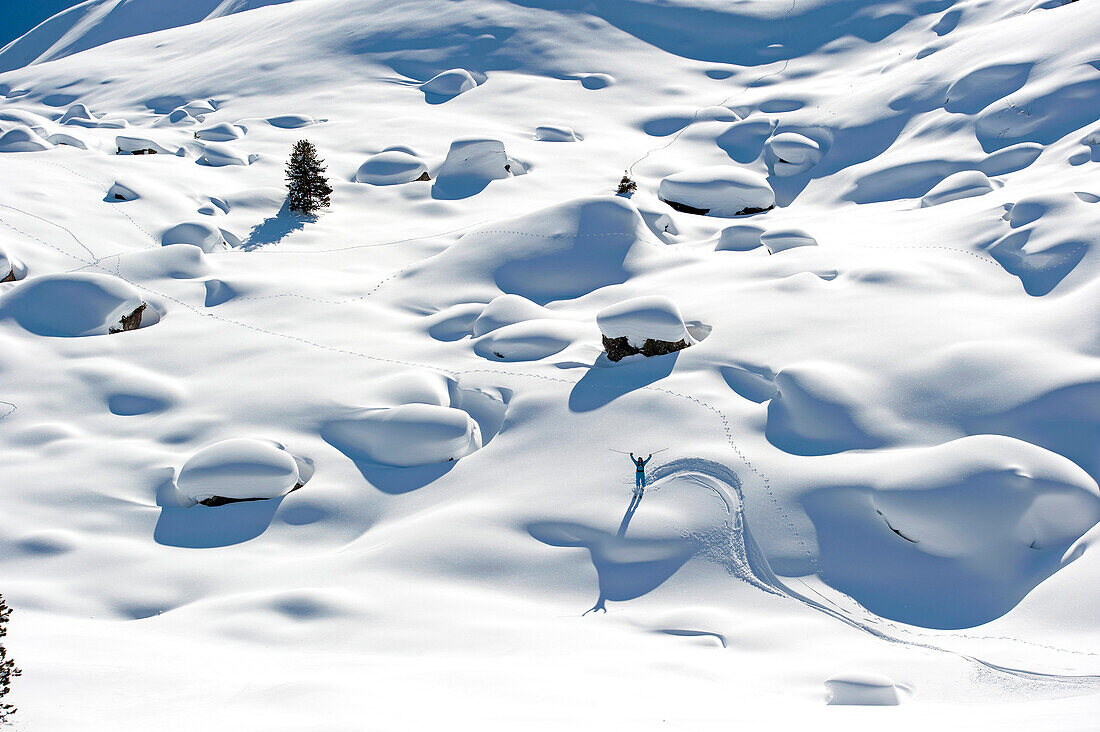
619	348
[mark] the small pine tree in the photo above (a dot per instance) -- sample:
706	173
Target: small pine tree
307	188
8	670
627	186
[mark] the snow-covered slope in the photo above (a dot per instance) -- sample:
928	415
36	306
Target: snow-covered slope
875	467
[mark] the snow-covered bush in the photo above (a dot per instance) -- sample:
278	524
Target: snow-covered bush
8	669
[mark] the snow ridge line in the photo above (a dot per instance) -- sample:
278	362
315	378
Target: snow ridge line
13	408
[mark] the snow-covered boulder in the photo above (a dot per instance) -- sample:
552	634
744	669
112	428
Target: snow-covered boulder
220	132
650	325
206	237
407	435
392	167
78	114
449	83
61	138
218	155
778	240
22	139
719	190
863	689
139	146
11	269
120	192
965	184
790	153
75	304
239	469
555	133
739	238
470	165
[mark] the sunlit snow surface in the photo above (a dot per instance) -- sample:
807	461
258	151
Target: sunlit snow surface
874	470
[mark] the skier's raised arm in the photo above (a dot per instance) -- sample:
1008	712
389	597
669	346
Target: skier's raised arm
644	462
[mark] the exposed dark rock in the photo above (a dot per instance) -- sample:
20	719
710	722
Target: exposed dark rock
619	348
424	176
131	321
10	277
215	501
750	211
684	208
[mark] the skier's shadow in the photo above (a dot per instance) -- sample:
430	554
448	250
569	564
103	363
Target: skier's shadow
626	568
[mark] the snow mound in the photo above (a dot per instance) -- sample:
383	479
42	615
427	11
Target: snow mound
292	121
965	184
555	133
528	341
176	118
596	81
949	536
200	234
218	155
78	114
650	325
408	435
61	138
11	269
778	240
739	238
790	153
391	167
77	304
139	146
449	83
220	132
22	139
815	411
239	469
557	253
863	689
470	166
719	190
507	310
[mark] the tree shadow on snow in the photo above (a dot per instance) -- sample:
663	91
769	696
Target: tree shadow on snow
605	382
275	228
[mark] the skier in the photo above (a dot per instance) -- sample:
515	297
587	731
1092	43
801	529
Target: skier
639	475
